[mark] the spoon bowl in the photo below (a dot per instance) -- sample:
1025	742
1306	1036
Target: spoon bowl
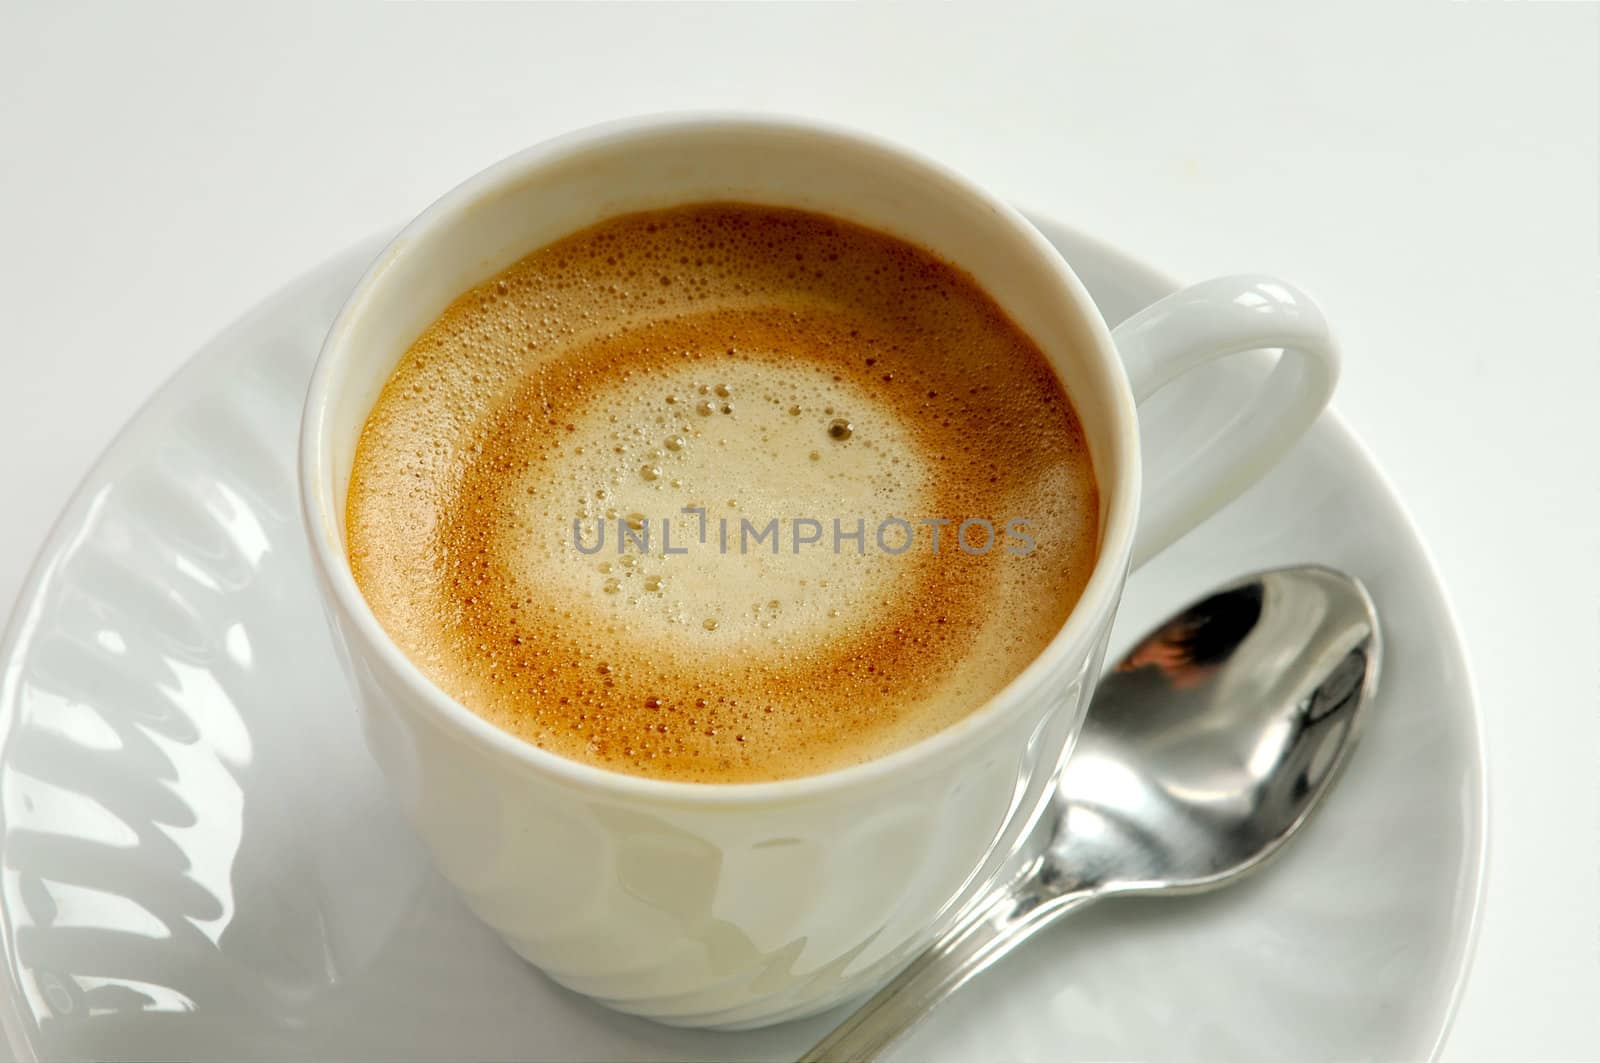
1216	735
1204	750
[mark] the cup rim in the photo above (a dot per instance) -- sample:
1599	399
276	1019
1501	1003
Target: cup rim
316	479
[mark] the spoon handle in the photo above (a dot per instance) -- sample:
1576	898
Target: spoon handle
989	930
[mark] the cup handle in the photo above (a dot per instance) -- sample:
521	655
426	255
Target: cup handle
1201	324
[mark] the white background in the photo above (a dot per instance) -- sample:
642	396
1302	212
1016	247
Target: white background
1428	170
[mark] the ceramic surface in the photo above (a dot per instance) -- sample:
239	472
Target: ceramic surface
741	905
200	861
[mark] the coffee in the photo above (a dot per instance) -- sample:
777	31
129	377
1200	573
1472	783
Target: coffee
723	493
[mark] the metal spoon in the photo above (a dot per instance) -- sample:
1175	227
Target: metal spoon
1202	753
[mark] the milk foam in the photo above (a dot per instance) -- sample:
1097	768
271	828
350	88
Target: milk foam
751	365
744	463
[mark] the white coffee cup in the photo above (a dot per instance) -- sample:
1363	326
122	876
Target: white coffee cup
745	904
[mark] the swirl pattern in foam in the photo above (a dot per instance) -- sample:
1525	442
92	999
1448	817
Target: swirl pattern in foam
772	417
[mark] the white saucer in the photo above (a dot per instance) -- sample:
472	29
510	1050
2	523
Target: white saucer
200	863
